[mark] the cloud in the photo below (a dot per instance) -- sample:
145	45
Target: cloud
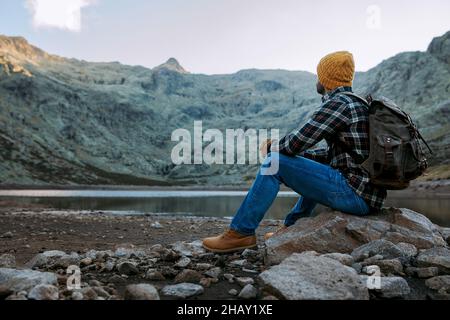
61	14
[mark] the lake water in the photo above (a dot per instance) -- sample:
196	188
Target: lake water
198	203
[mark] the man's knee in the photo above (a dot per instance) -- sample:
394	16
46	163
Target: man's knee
273	163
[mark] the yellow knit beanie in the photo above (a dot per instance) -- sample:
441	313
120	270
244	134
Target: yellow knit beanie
336	70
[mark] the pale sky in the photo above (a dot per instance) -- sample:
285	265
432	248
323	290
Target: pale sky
225	36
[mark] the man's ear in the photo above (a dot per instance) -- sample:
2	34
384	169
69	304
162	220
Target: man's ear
320	88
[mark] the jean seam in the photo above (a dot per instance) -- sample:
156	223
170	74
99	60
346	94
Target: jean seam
238	222
360	200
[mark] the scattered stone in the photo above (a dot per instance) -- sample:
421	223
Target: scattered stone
381	247
85	262
436	257
249	253
123	252
169	272
333	231
95	283
243	281
7	235
154	275
409	250
91	254
422	272
390	287
188	275
77	295
238	263
18	280
357	267
343	258
446	234
372	260
110	265
4	292
233	292
17	297
427	272
156	225
182	290
249	270
206	282
103	255
89	293
270	297
128	268
169	255
141	291
44	292
189	249
183	262
307	276
229	277
248	292
54	259
127	252
440	284
101	292
391	266
157	248
213	273
203	266
116	279
7	261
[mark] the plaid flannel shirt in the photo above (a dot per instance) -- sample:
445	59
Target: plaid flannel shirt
339	117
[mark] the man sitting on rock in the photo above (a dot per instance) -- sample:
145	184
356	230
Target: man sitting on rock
331	177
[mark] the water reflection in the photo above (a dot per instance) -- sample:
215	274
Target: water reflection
200	203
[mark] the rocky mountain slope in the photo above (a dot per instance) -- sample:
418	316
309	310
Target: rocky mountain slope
65	121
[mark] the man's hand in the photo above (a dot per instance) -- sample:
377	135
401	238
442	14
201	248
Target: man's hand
265	146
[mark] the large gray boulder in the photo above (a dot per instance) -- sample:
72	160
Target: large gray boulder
182	290
441	284
334	231
435	257
446	234
378	247
390	287
54	259
307	276
44	292
141	291
19	280
7	261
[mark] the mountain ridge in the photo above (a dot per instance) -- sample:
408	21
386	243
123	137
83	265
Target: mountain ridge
69	121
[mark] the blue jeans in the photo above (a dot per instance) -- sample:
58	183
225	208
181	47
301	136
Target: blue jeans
317	183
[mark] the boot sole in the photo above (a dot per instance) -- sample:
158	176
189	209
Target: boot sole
229	250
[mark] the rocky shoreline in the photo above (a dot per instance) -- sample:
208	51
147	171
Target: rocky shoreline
331	256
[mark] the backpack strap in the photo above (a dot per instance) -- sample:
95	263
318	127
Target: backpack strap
367	101
424	141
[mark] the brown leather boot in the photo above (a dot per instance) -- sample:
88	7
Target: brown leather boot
269	235
229	241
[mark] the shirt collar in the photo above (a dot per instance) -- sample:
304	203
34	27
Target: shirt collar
330	94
